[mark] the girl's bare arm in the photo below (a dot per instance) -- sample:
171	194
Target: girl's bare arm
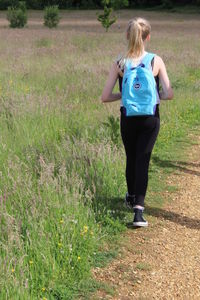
160	70
107	94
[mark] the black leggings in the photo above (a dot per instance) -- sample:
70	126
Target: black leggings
138	135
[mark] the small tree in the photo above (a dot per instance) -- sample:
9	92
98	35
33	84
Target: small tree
106	18
17	15
51	16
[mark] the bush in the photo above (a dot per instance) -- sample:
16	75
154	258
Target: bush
17	15
51	16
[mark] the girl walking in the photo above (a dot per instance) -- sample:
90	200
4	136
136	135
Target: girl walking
140	120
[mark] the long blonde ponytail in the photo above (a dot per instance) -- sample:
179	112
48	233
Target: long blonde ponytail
137	31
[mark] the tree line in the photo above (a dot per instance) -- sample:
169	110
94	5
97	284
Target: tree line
85	4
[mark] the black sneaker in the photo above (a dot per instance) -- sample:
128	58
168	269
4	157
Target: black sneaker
129	201
138	220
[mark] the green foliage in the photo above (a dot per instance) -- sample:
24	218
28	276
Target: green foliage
40	4
167	4
22	5
118	4
51	16
17	15
106	19
4	4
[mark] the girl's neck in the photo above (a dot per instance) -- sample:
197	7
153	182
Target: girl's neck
138	57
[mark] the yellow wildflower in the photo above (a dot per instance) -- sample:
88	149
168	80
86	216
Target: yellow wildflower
85	228
30	262
13	270
61	221
43	289
79	258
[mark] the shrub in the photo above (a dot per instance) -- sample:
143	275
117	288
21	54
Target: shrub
51	16
17	15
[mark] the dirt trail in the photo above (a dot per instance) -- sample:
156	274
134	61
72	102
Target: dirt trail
163	261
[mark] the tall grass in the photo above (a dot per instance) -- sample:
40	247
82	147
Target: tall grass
62	160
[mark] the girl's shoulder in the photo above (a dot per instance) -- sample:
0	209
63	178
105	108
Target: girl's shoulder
121	61
158	62
119	57
158	59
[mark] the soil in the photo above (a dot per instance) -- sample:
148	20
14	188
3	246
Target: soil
163	260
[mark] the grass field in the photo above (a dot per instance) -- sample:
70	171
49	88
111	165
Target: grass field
62	160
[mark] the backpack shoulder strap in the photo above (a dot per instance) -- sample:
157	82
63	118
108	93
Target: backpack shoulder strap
147	59
127	64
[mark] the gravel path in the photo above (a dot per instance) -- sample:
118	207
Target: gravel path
163	261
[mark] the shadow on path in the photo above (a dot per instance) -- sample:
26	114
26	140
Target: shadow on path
116	206
179	165
173	217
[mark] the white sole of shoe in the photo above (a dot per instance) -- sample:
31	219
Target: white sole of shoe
140	224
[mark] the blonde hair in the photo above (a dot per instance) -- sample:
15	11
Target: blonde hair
137	31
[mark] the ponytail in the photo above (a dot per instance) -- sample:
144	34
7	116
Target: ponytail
138	30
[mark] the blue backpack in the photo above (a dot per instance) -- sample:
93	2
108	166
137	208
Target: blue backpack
139	92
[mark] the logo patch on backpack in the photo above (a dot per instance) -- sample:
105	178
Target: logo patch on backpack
137	86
